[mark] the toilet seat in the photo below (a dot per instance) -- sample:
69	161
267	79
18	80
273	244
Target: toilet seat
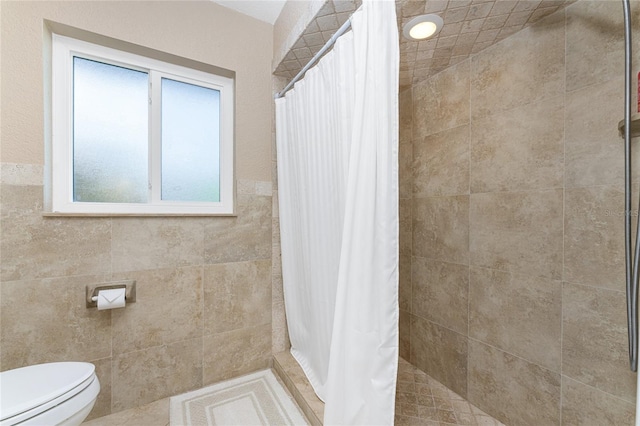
29	391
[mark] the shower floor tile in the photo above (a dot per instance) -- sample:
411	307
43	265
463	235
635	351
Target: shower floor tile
422	400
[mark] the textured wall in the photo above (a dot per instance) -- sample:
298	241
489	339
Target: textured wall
203	310
516	295
292	22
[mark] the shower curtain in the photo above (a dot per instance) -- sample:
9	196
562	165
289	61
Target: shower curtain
337	147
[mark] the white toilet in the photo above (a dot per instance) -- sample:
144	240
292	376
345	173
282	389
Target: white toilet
59	393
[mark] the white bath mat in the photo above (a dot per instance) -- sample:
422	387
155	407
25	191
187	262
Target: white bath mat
256	399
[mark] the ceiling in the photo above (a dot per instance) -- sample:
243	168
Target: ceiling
264	10
469	27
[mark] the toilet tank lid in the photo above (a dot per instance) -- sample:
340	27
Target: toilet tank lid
28	387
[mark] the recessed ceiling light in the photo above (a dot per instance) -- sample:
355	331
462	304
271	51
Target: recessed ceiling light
422	27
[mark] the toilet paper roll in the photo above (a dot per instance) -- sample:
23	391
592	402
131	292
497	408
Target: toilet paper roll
111	299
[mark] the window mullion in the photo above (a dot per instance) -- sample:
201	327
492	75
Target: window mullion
155	131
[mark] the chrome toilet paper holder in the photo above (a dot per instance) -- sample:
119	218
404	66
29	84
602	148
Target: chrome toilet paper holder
93	290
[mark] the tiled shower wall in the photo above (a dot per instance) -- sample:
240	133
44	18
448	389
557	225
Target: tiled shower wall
512	260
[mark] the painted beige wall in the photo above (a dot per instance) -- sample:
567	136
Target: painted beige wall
197	30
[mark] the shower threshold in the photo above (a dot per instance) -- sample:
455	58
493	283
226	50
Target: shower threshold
420	399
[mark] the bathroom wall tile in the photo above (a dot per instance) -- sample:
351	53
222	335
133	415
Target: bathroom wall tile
519	314
439	352
406	223
518	232
237	295
275	206
61	328
168	309
441	228
594	339
595	40
524	68
441	163
145	376
405	289
24	174
441	293
405	106
593	148
156	242
405	334
34	246
583	405
245	237
511	389
442	102
279	336
236	352
405	174
519	149
594	237
102	406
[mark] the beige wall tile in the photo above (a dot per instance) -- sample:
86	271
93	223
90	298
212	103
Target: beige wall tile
595	36
102	406
524	68
237	295
441	102
236	352
594	339
405	173
439	352
406	224
593	148
441	293
34	246
47	321
159	242
405	106
168	309
441	163
245	237
405	285
405	334
594	237
519	149
517	231
582	405
145	376
519	314
279	335
511	389
441	228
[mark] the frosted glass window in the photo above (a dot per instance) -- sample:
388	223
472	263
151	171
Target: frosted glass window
136	135
110	133
190	142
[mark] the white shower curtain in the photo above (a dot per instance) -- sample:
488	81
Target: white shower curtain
337	146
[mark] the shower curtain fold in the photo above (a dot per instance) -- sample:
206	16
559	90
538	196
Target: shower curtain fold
337	149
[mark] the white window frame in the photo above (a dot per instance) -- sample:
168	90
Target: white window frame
63	50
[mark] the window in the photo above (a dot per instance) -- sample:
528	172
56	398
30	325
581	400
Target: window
134	135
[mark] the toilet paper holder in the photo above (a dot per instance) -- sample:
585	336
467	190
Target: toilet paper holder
93	290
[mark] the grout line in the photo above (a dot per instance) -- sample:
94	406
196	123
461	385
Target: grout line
469	235
564	212
515	356
619	398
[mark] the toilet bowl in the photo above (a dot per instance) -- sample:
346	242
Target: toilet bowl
58	393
